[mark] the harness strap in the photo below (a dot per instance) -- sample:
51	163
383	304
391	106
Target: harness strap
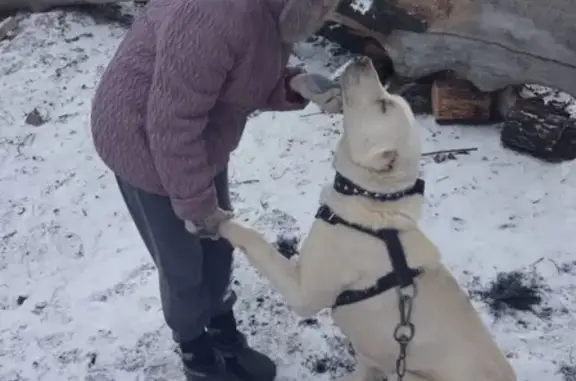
401	276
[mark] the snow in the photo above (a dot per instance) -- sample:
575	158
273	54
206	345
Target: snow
78	293
361	6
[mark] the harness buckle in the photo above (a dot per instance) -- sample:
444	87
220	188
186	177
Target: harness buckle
326	214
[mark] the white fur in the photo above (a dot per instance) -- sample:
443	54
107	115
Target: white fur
380	151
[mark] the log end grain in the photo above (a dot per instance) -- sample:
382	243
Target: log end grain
457	101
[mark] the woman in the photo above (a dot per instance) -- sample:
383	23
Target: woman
170	108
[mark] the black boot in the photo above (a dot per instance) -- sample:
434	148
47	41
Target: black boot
241	360
201	362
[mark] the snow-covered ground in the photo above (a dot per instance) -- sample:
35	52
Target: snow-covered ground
78	293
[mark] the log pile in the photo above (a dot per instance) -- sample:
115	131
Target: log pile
449	98
448	61
491	44
455	59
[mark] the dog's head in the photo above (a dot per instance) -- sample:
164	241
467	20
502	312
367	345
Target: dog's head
380	148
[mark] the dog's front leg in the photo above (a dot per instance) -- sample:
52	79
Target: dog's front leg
284	274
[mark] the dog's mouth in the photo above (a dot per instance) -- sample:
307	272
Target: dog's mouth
361	61
359	66
359	80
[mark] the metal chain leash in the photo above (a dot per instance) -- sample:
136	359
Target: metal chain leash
405	330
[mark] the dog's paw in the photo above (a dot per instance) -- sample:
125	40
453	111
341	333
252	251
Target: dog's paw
239	236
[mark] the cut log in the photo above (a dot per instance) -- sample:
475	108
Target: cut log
545	130
492	44
456	100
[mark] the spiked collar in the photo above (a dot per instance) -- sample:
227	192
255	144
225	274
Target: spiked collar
346	187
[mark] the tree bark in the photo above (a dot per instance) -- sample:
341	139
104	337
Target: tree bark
492	44
544	129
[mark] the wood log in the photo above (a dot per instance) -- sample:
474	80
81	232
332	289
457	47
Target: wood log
456	100
492	44
543	129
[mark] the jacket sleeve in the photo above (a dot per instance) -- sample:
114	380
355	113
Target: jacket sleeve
283	98
193	58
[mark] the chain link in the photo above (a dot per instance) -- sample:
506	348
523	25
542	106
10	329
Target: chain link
405	330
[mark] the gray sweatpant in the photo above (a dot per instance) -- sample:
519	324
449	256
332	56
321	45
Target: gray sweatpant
194	273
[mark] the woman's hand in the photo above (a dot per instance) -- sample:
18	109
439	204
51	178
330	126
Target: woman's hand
208	226
293	96
320	90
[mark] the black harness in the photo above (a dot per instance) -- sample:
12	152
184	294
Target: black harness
402	275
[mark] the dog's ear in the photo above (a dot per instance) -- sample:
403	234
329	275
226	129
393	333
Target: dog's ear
382	160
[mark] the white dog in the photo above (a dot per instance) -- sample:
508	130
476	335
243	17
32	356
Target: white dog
366	241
